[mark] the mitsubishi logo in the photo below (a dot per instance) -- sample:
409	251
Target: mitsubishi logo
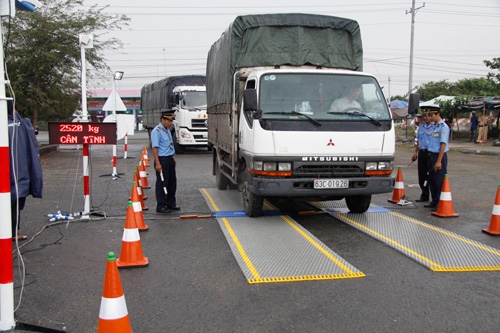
330	143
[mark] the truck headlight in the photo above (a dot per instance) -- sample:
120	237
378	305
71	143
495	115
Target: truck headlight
272	166
269	166
372	166
184	134
385	165
285	166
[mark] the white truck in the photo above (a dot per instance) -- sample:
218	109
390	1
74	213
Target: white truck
187	95
276	131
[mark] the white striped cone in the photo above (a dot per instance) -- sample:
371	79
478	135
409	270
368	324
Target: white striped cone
131	254
113	313
445	204
399	188
494	228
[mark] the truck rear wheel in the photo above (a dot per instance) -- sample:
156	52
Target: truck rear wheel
358	203
252	203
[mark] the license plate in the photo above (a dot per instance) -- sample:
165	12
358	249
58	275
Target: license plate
331	183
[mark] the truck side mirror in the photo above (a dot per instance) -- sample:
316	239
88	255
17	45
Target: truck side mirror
249	100
250	103
413	103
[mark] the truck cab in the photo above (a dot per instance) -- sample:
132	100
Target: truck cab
313	135
190	117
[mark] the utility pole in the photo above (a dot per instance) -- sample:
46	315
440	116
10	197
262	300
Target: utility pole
413	11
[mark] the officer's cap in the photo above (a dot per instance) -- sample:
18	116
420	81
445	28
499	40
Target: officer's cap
430	108
168	114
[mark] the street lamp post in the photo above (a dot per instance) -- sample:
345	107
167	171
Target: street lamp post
117	76
86	42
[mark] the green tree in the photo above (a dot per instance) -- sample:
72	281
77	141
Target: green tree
494	65
433	89
43	55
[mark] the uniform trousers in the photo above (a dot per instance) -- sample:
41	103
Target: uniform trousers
436	178
423	173
170	183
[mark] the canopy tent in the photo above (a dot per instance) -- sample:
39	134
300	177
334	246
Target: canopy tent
490	103
435	101
399	109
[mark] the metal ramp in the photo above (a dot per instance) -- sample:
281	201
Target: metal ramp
438	249
274	248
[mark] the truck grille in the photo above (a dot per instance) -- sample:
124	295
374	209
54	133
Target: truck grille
329	170
198	123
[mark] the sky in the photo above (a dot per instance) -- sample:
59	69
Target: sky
451	37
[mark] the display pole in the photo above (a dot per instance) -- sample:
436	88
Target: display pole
7	321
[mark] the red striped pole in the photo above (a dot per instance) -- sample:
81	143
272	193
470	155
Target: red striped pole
86	183
7	321
114	174
125	147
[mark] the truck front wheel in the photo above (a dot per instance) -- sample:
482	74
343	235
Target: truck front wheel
252	203
358	203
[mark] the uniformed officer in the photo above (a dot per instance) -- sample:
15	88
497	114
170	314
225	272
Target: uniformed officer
164	151
421	153
438	159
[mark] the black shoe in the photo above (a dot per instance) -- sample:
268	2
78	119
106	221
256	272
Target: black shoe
163	210
434	209
421	200
174	207
429	206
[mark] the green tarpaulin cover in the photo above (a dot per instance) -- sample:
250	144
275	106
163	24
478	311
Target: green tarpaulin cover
281	39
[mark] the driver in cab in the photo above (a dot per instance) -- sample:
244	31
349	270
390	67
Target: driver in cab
348	102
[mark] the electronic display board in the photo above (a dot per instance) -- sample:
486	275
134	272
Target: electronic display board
82	133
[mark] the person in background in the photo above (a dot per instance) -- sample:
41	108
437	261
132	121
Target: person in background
164	151
473	126
26	176
438	159
421	153
482	135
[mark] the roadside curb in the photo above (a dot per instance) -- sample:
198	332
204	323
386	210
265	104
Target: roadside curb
477	152
45	149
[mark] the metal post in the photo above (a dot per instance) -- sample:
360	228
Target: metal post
86	183
85	115
413	11
7	321
114	173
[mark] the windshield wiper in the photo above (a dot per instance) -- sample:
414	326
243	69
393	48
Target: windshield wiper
283	113
375	121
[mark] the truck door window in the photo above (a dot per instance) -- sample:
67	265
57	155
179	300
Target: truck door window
250	84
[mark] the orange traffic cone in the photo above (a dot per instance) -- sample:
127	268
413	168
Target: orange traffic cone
145	156
113	314
131	255
136	205
494	228
143	176
399	188
137	180
141	200
445	205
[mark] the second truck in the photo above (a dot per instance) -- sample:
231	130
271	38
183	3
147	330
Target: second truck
187	95
276	127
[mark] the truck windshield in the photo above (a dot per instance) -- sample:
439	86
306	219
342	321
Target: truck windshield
322	97
194	99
